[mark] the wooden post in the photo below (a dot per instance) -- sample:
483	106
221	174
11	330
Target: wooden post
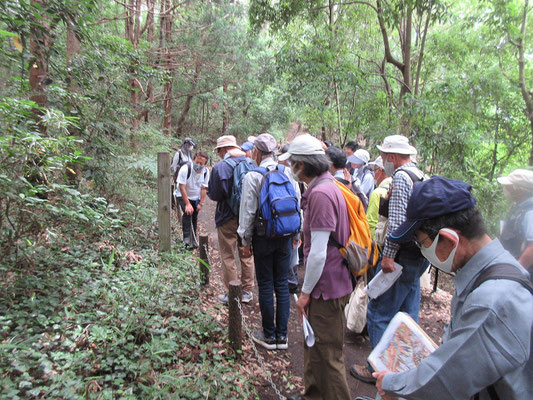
235	320
204	259
163	200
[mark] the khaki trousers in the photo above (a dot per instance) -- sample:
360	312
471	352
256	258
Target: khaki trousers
324	370
227	242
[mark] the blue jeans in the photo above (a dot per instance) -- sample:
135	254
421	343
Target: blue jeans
404	295
272	260
293	267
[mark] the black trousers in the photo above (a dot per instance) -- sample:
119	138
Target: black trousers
188	221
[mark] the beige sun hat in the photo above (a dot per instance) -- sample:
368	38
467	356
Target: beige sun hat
226	141
519	177
303	145
396	144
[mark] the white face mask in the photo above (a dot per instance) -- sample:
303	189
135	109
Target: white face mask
296	173
388	166
430	253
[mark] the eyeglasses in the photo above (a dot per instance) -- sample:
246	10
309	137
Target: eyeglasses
421	243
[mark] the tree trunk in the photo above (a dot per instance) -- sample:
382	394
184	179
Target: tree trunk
164	48
526	94
39	43
188	99
225	114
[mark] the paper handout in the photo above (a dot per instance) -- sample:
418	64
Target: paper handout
403	346
382	282
309	335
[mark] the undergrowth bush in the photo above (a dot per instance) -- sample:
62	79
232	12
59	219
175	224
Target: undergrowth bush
88	308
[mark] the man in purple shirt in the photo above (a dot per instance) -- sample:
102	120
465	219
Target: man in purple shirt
327	284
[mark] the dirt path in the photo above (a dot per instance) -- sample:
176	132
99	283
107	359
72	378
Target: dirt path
286	367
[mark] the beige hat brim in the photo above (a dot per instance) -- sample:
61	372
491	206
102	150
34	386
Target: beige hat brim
397	150
504	180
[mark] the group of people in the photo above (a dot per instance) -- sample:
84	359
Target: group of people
416	220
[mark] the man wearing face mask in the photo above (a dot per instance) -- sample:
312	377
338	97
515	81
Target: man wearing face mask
404	294
192	182
485	351
517	232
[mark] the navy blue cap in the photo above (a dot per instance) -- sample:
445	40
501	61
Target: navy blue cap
430	199
247	146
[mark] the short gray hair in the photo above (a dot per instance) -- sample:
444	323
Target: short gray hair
314	165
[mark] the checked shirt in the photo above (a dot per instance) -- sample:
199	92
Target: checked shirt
401	188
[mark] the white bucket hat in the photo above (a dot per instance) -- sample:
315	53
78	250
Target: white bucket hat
303	145
519	177
396	144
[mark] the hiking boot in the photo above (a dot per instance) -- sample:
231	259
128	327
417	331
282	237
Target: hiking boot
223	298
362	373
247	297
282	343
267	343
187	240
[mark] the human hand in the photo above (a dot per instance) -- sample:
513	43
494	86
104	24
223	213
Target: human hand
189	210
302	303
387	265
296	243
198	207
379	383
246	251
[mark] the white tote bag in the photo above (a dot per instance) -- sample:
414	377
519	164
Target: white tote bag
355	311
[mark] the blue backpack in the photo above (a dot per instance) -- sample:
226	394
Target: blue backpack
279	211
240	169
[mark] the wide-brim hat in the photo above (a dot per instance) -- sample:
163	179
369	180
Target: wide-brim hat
226	141
303	145
396	144
519	177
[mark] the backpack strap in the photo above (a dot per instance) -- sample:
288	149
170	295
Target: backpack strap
503	271
409	171
500	271
189	169
231	162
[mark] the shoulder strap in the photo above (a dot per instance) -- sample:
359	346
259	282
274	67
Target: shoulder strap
414	177
231	162
503	271
189	169
261	170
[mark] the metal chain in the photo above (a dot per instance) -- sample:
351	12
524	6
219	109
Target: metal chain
257	355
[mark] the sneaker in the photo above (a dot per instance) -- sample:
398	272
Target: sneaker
223	298
362	373
187	240
267	343
282	343
247	297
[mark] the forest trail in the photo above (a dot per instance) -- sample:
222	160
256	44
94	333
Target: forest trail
286	366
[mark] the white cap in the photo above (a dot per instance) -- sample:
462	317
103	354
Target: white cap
251	139
378	163
360	156
519	177
396	144
303	145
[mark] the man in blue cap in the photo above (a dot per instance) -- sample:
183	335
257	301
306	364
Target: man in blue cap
486	348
